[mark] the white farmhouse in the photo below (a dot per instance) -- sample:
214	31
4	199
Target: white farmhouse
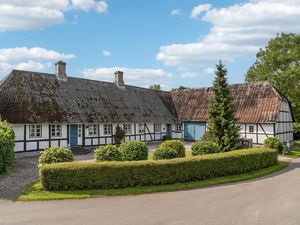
56	110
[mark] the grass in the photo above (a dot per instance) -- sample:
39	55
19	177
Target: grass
35	192
295	150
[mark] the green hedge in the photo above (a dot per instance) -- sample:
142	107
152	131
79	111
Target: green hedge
106	175
7	144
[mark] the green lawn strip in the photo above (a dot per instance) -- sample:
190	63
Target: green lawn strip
35	192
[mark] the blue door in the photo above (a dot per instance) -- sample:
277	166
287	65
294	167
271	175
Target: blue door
73	135
193	131
169	130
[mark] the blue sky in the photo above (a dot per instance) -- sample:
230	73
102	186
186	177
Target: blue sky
170	42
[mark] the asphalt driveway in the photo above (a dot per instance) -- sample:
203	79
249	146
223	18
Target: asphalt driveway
274	200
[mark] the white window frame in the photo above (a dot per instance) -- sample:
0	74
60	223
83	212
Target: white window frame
79	131
35	131
127	128
92	130
157	128
178	127
141	128
107	129
251	129
56	130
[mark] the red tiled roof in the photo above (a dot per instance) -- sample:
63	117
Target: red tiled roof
254	102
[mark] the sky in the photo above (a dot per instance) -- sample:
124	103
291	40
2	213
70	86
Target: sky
167	42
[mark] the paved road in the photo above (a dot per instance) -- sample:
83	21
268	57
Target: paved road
274	200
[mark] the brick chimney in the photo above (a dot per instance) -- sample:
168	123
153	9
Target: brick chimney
60	70
119	78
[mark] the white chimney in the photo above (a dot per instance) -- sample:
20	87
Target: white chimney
60	71
119	78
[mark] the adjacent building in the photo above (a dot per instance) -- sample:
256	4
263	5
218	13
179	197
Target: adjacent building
57	110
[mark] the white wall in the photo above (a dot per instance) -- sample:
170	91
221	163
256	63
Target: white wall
261	132
284	126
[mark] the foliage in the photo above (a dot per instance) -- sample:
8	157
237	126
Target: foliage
174	145
7	138
296	131
119	135
180	88
55	155
36	191
106	175
204	147
134	150
222	127
279	63
107	153
274	142
155	87
166	137
164	153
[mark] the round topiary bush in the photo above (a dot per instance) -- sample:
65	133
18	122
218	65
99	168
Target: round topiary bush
107	153
164	153
204	147
274	142
133	150
55	155
175	145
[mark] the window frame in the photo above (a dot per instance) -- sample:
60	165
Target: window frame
57	128
178	127
251	129
92	130
141	128
127	127
33	129
157	125
107	129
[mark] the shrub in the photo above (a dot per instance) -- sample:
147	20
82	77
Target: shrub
204	147
164	153
7	137
119	135
106	175
55	155
107	153
175	145
166	137
274	142
133	150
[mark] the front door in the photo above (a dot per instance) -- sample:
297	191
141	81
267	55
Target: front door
74	135
193	131
169	130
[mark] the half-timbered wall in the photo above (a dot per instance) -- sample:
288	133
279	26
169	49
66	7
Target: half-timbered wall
258	132
284	125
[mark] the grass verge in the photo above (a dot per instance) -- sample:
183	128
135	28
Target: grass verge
295	150
35	192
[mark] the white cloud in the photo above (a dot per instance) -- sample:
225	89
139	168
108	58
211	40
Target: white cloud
189	75
209	70
140	77
27	15
106	53
197	10
35	59
238	30
176	12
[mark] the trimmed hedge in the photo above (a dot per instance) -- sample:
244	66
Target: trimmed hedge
164	153
174	145
106	175
133	150
204	147
7	155
55	154
107	153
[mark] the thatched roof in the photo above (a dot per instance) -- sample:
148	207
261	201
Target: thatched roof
31	97
254	102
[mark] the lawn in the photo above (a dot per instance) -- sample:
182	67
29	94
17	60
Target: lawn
295	150
35	192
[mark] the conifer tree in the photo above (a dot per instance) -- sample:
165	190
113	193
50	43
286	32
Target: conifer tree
222	127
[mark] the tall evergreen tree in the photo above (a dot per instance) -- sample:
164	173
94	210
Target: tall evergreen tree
222	127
